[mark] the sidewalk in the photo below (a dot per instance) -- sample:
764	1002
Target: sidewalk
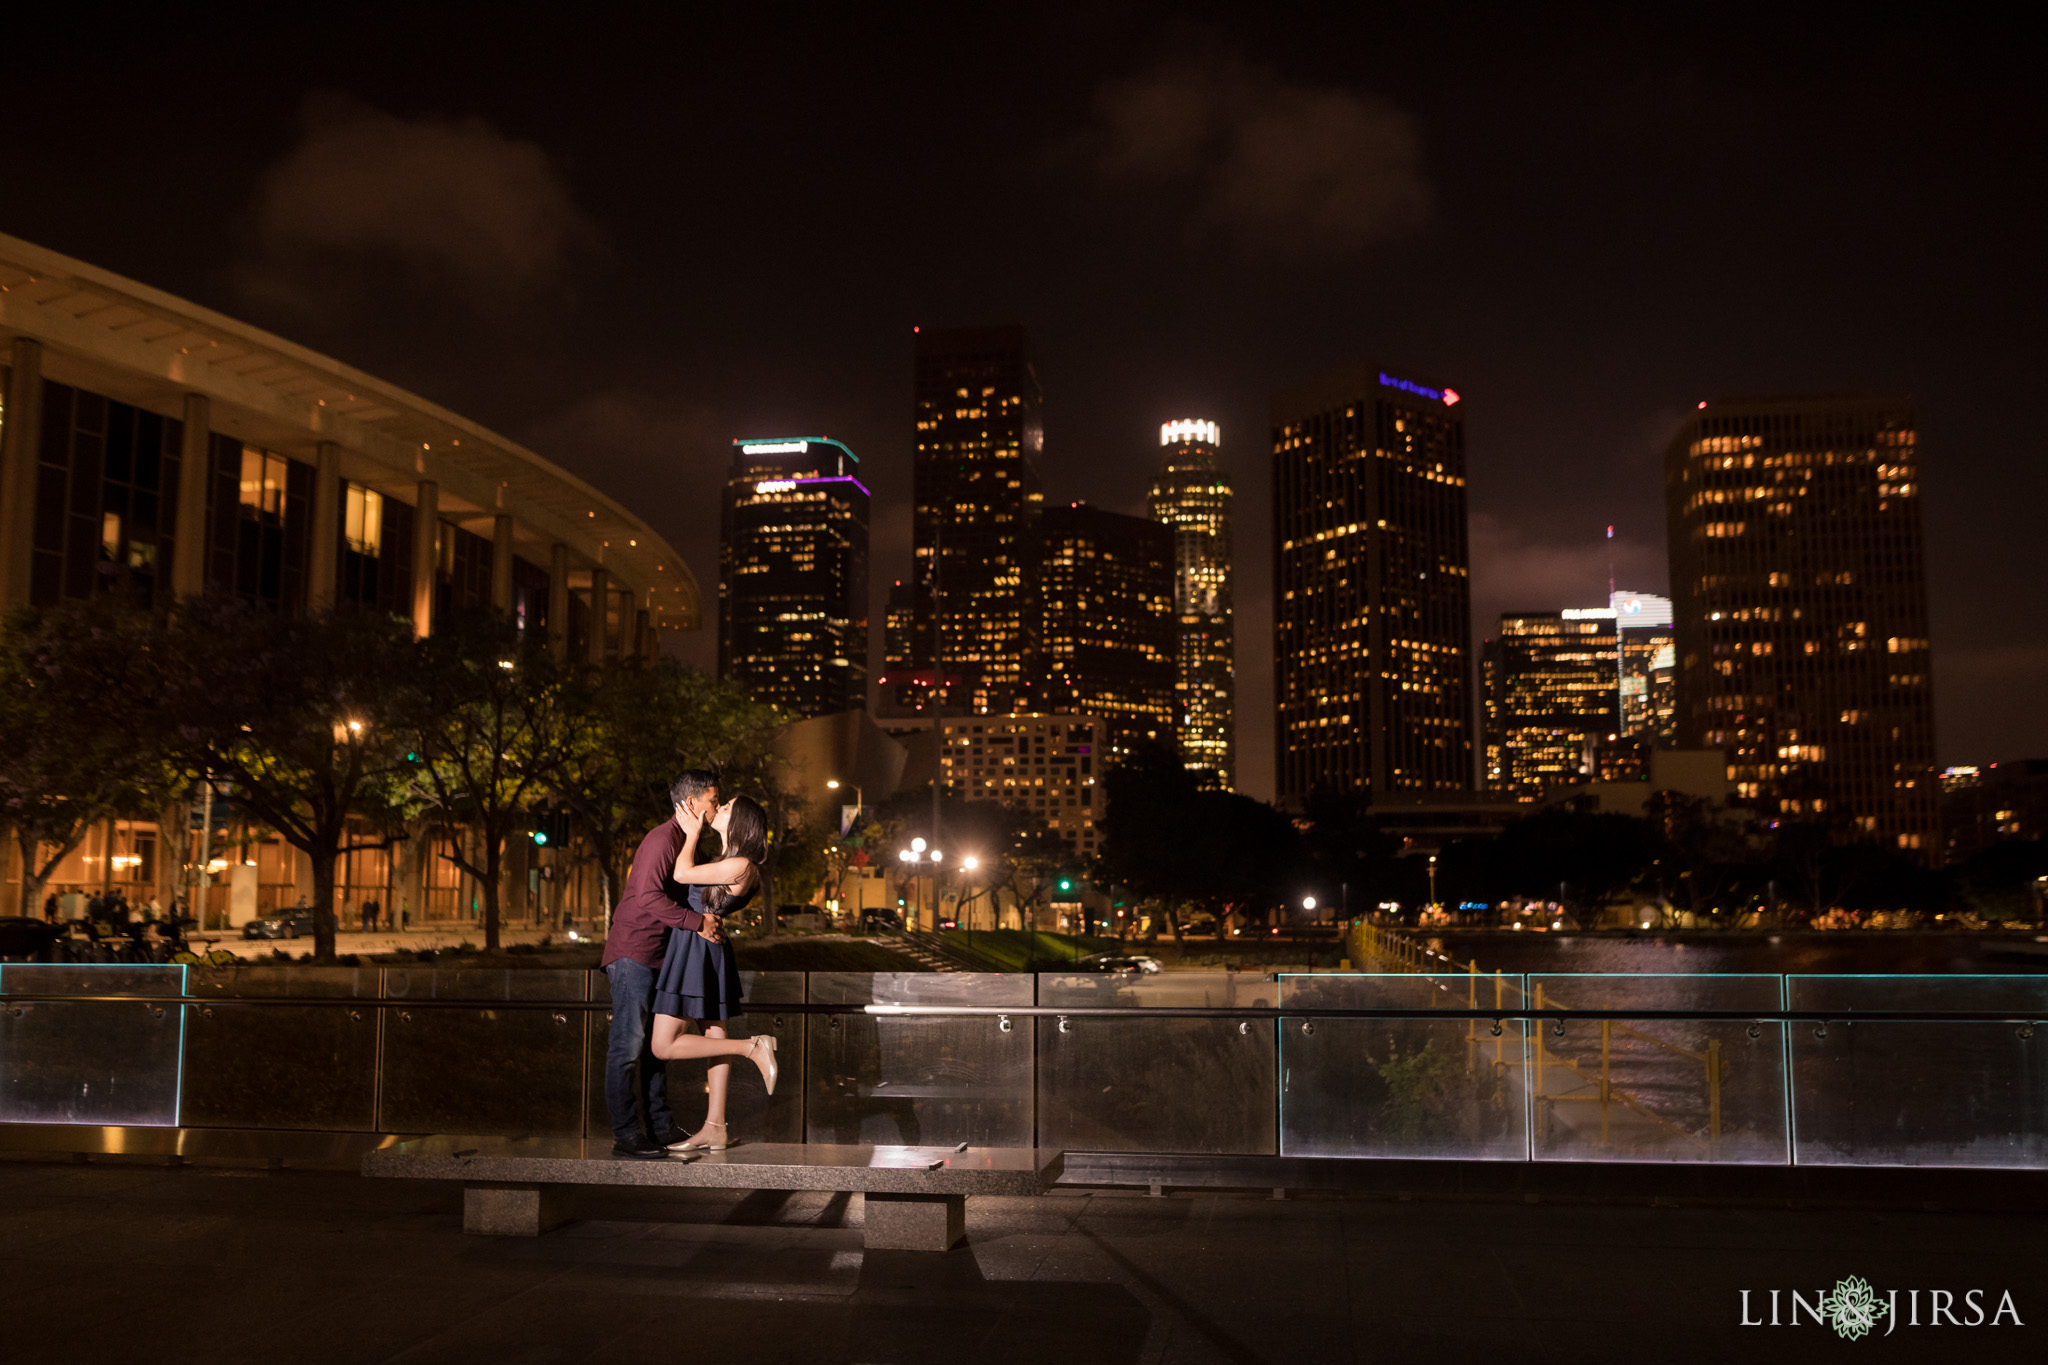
226	1265
383	941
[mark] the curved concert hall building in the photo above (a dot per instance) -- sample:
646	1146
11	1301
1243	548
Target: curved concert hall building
149	440
157	448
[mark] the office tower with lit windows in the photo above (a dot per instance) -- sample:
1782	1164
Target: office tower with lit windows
793	575
976	498
1044	765
1107	632
1192	498
1372	589
1554	698
1800	602
1649	667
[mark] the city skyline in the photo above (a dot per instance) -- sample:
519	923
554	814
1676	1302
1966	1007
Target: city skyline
1562	267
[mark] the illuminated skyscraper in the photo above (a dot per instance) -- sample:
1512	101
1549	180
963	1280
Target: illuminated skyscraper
974	525
1192	497
1372	588
1800	598
1108	635
1555	698
793	575
1649	667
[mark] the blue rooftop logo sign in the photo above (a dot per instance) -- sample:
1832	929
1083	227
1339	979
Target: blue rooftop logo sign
1445	396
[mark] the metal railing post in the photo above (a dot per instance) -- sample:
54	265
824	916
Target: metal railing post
1713	1093
1606	1076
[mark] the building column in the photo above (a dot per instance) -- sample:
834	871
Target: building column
600	611
195	478
426	555
501	565
21	439
325	551
643	635
558	601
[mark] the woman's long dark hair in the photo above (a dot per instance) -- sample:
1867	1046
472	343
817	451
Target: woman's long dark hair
746	836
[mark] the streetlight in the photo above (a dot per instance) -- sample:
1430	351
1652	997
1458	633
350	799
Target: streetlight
1432	881
859	803
969	864
1308	903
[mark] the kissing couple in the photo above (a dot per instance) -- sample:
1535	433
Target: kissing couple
670	968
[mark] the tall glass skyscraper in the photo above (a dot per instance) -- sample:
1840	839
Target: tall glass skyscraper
1192	497
1372	629
793	575
1799	590
1108	634
1555	696
977	494
1649	667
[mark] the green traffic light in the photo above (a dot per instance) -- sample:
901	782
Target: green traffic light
540	836
1066	885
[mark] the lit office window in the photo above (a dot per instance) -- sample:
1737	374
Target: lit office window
364	521
263	481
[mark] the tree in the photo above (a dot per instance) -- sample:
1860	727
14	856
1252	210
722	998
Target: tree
630	729
81	735
308	720
1167	838
490	734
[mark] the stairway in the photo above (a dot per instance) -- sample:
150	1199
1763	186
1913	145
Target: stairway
922	950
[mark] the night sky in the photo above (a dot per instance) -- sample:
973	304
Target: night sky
626	237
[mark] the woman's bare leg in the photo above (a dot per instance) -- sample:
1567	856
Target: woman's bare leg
718	1080
673	1042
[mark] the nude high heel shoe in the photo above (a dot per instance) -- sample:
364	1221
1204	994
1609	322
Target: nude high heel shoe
769	1067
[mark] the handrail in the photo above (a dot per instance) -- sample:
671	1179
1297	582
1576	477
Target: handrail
1495	1014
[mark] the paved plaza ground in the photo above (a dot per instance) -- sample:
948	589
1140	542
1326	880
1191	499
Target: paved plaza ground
130	1262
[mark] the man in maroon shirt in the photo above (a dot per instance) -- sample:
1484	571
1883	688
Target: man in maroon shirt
635	1081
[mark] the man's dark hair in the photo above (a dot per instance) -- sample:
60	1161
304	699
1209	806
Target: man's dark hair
695	782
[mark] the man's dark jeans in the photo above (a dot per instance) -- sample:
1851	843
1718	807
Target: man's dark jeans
635	1080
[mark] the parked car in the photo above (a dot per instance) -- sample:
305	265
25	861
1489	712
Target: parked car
281	924
1119	962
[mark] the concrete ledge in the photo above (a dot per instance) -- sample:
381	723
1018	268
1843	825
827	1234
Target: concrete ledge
300	1147
1995	1190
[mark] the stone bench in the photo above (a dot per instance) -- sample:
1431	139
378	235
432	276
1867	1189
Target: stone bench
915	1197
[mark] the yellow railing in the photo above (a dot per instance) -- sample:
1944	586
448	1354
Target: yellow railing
1393	951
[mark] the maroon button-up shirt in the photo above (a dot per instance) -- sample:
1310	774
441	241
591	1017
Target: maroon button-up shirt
653	903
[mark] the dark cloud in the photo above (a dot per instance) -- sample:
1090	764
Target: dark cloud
1278	163
451	204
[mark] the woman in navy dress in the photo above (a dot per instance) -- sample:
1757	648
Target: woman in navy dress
699	982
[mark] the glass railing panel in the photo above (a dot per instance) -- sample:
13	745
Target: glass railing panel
281	1066
89	1061
478	1069
1657	1089
1158	1085
752	1115
1920	1094
919	1081
1415	1087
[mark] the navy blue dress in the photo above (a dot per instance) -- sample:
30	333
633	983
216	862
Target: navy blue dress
699	979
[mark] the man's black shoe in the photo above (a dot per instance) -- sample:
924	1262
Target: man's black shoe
639	1149
674	1136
